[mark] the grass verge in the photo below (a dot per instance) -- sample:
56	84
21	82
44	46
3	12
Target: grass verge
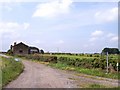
94	72
10	69
96	86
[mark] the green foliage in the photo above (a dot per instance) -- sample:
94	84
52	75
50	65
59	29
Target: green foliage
41	51
9	52
39	57
86	61
95	72
110	50
96	86
10	69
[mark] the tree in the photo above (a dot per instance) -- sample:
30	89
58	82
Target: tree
110	50
10	52
41	51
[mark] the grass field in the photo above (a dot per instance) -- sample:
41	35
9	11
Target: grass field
10	69
90	56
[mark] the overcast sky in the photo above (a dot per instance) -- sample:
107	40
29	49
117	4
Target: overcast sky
64	25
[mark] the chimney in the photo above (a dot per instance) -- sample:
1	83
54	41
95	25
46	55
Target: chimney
15	43
11	47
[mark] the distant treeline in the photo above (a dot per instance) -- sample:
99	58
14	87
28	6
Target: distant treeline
3	52
79	54
104	51
61	53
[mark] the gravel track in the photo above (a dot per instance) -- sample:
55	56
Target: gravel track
36	75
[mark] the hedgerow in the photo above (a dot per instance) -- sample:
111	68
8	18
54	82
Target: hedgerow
96	61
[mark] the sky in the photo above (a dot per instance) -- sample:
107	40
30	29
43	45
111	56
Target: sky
60	25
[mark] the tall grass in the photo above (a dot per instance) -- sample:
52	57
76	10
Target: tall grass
10	69
96	86
92	71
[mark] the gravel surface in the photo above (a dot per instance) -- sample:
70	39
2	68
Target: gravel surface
36	75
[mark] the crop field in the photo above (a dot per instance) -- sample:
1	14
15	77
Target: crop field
88	64
10	70
92	64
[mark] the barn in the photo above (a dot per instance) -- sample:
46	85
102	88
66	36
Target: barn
23	49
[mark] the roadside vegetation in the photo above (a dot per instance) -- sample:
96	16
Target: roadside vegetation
96	86
95	72
91	64
10	69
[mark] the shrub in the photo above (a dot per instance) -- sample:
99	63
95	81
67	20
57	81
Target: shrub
9	52
45	58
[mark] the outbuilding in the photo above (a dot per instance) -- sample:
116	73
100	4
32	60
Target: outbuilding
23	49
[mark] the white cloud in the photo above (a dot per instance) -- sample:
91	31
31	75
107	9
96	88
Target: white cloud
12	26
51	0
26	25
11	35
53	8
60	42
110	35
107	15
93	39
114	39
97	33
11	30
8	8
90	45
39	42
8	25
9	5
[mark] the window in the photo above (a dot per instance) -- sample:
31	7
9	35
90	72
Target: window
20	51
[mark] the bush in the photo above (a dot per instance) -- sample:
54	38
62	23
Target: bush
39	57
9	52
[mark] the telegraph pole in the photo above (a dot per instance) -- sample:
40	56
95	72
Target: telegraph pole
58	49
107	61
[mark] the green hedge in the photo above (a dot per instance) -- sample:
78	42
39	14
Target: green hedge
40	57
88	62
79	61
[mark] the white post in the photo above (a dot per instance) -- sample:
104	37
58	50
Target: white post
107	61
117	66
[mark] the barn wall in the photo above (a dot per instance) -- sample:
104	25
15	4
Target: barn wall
20	49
